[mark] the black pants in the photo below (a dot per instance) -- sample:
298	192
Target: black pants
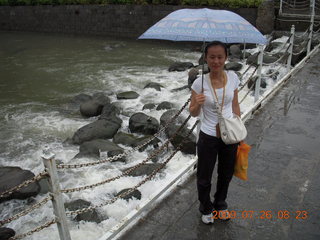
209	148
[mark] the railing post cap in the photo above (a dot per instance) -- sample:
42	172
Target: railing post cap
46	153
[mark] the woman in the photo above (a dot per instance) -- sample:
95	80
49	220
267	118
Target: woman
210	145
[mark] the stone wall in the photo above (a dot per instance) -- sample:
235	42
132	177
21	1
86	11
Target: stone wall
109	20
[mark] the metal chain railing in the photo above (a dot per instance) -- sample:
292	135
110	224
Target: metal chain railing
131	169
296	35
79	211
38	229
256	67
110	159
26	211
24	184
279	59
298	53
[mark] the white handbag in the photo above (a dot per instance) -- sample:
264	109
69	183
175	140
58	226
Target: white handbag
232	130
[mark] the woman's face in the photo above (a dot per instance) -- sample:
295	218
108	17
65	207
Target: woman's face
216	58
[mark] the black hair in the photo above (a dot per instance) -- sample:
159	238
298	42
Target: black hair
215	43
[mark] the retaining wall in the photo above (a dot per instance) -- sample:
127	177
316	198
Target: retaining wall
110	20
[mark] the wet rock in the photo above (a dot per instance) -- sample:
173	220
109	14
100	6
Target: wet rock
81	98
140	141
168	115
154	85
265	17
253	59
93	106
142	123
180	66
6	233
110	112
101	98
252	81
234	66
127	95
235	51
192	75
135	194
245	55
145	169
164	105
74	104
44	185
149	106
89	216
94	147
273	45
124	138
247	46
113	153
189	146
13	176
100	129
90	108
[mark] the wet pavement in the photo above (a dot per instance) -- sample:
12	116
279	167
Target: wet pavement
281	199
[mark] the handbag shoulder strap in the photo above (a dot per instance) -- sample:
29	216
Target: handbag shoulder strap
213	92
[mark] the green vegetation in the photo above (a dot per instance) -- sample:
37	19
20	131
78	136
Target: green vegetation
213	3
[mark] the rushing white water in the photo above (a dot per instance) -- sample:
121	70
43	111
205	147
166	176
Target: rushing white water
32	119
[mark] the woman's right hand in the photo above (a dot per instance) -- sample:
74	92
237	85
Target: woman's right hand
200	98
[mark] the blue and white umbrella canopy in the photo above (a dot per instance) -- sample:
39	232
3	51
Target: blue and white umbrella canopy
204	25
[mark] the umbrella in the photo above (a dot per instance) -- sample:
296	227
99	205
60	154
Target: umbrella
204	25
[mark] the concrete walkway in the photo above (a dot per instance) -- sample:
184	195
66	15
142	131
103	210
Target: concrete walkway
284	177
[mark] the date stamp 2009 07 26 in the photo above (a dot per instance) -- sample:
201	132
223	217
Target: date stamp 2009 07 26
264	214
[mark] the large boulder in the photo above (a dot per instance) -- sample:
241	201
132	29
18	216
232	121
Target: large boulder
154	85
90	108
192	75
149	106
124	138
135	194
253	59
235	51
164	105
100	129
94	106
180	66
13	176
234	66
265	17
144	124
89	216
132	141
127	95
189	146
110	112
94	147
6	233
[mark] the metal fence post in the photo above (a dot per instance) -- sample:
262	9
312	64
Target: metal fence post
258	82
57	201
311	26
290	49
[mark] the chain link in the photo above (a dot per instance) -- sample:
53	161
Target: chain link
255	69
110	159
127	172
26	211
38	229
24	184
139	184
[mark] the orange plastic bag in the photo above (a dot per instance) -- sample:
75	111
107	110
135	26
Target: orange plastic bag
241	165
